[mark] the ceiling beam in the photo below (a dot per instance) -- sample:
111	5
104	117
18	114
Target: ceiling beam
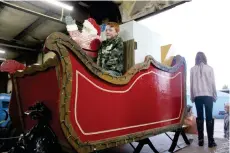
8	44
18	47
1	7
31	27
31	12
162	10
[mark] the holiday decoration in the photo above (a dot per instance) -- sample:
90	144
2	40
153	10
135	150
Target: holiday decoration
89	39
11	66
92	110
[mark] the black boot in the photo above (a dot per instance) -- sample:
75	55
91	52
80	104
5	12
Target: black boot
200	129
210	132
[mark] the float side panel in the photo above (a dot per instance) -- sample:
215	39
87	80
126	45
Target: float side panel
41	86
153	99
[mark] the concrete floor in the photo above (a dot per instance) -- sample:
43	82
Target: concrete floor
162	143
223	144
218	129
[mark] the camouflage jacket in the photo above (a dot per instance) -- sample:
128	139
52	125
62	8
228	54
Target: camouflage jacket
110	55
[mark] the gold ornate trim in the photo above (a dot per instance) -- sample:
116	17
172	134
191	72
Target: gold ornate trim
51	62
68	43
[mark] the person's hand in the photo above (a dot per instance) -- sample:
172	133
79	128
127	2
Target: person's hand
214	99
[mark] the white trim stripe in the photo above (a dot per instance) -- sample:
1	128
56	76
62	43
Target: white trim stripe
122	91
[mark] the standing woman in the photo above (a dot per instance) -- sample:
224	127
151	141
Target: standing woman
203	93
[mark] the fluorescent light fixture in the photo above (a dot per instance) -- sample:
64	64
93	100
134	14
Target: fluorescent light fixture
2	51
60	4
2	59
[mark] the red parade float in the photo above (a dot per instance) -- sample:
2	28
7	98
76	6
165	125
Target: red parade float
92	110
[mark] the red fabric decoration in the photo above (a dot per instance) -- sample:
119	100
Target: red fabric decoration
11	66
43	86
96	26
95	44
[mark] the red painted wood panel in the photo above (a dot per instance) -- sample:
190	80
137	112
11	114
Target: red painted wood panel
152	99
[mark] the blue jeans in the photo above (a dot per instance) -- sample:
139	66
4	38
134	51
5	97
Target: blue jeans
207	102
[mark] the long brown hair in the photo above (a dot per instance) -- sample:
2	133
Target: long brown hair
200	58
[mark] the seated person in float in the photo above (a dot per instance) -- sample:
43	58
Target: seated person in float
110	55
89	39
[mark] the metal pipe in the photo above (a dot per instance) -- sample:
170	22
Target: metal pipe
18	47
2	39
31	12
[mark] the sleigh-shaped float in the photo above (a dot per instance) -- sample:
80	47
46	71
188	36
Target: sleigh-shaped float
92	110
